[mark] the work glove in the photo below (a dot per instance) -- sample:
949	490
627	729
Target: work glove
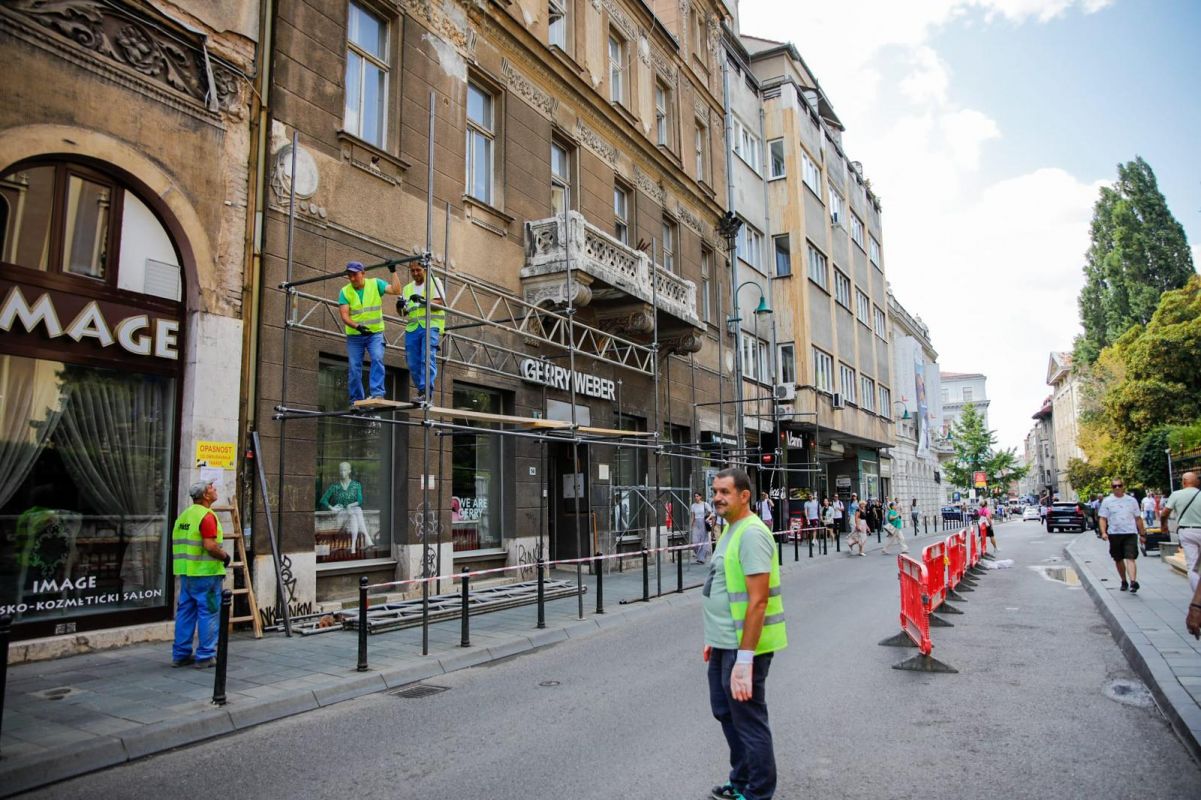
363	329
228	558
740	676
392	268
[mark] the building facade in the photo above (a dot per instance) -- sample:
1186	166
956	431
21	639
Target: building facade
917	471
127	202
1043	477
957	390
1065	418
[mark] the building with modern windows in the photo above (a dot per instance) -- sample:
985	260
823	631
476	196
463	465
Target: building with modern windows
128	194
1065	402
957	390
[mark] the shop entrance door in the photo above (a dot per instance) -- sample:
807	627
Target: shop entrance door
569	502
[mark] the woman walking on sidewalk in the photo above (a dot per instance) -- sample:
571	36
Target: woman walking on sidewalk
892	518
858	533
700	515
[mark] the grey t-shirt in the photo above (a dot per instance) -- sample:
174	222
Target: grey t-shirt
1191	518
756	551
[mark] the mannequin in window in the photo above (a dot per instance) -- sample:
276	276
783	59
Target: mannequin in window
345	498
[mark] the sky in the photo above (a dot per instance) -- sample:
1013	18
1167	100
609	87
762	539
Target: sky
987	128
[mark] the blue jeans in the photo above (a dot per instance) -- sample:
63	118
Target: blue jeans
415	353
373	345
198	611
752	759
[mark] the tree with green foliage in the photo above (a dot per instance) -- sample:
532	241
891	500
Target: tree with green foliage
1138	251
973	446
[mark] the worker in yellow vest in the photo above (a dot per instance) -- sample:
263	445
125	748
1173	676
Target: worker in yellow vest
360	304
744	626
199	562
416	297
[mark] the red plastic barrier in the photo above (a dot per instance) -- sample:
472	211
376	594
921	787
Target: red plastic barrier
934	558
973	550
956	557
915	603
983	541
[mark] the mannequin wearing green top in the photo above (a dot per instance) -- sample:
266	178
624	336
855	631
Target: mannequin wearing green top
345	498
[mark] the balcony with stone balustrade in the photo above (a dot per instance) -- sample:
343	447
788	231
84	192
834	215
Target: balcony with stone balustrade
609	279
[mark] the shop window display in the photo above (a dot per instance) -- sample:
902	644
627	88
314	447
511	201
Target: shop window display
476	500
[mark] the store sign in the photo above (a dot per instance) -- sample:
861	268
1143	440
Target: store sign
793	440
220	455
843	481
980	479
556	377
718	439
55	315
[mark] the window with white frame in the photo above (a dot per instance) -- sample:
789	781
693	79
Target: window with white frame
818	271
811	174
621	213
662	114
365	113
706	284
560	177
856	229
842	288
885	401
775	158
836	208
868	394
873	250
746	144
863	308
786	358
823	371
783	255
556	16
946	395
967	394
702	151
699	37
668	246
617	68
846	383
755	359
748	245
481	142
879	325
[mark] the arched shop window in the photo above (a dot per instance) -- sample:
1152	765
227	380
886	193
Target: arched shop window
90	336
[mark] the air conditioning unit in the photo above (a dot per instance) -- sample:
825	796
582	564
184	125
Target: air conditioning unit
836	401
785	392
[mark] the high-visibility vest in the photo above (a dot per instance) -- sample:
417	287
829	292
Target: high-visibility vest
417	310
366	310
187	548
773	636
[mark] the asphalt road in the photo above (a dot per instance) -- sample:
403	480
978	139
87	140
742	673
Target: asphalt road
627	713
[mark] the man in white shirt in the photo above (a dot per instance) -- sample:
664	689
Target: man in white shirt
838	507
1149	508
1120	523
813	512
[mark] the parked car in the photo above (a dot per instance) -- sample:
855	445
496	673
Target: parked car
952	512
1030	513
1066	516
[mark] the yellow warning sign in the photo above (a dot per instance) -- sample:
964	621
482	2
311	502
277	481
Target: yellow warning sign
216	454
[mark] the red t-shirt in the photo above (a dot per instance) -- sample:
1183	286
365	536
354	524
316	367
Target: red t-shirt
208	526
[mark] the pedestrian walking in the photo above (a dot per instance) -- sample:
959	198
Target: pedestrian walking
1192	620
896	535
1121	521
828	518
839	513
199	561
914	514
1149	509
1183	503
700	521
858	535
853	509
744	626
764	510
986	522
362	311
813	513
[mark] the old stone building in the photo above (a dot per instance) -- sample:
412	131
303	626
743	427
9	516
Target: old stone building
126	209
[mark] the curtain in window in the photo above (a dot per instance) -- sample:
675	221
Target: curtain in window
30	407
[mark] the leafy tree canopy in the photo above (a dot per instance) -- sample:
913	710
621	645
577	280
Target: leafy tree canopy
973	446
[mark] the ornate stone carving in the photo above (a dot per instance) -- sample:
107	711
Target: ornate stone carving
593	141
447	21
701	109
644	49
692	221
112	31
681	345
555	294
663	67
525	88
648	187
618	17
635	322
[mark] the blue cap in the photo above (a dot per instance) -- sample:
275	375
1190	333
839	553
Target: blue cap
354	266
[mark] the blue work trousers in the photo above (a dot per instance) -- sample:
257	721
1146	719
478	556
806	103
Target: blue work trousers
373	345
198	612
752	759
415	356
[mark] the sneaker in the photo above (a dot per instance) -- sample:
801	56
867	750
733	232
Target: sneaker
725	792
1133	587
182	662
205	663
1125	586
862	554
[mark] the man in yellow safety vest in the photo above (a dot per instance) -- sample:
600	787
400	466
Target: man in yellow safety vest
416	297
199	562
744	626
361	307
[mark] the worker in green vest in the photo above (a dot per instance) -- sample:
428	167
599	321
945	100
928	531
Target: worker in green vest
416	298
199	562
360	304
744	626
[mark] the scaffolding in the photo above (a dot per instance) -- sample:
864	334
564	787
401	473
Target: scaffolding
483	324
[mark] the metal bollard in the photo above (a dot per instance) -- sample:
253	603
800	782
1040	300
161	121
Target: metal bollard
825	545
837	541
646	577
600	584
227	601
679	572
796	546
362	665
6	627
810	537
780	548
541	595
878	530
465	611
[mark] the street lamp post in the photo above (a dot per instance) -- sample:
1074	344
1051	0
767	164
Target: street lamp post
735	323
1168	451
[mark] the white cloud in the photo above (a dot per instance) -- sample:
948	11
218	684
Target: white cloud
994	269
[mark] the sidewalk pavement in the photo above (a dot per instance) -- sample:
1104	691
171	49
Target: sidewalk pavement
1149	627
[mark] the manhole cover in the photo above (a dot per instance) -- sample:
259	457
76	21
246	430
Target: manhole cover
1129	693
57	693
549	683
420	690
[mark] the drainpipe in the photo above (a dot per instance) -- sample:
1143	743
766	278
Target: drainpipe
740	431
